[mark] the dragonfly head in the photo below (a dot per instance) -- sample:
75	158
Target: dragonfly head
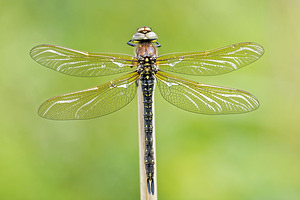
143	34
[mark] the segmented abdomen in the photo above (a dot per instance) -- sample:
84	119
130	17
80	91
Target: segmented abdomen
147	82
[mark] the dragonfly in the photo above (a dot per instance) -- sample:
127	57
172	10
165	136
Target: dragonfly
146	69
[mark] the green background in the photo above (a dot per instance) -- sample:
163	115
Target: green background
253	156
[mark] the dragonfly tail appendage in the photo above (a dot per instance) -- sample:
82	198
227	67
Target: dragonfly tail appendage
150	186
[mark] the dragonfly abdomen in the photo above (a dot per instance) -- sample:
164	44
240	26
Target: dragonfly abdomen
147	82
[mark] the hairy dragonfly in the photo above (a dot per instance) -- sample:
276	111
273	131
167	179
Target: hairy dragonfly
146	68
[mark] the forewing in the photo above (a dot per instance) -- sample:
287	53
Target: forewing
80	63
211	62
93	102
202	98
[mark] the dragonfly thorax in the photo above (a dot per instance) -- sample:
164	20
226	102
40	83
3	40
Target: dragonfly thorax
146	53
145	50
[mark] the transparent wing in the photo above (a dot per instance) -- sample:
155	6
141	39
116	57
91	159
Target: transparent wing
80	63
93	102
202	98
211	62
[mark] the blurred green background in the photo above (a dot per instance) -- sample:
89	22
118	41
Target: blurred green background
254	156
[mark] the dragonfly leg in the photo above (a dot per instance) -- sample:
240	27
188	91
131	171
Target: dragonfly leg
131	44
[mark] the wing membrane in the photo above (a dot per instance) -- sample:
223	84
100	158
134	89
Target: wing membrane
211	62
202	98
80	63
93	102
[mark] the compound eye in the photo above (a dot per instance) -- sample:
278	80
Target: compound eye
138	36
151	36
